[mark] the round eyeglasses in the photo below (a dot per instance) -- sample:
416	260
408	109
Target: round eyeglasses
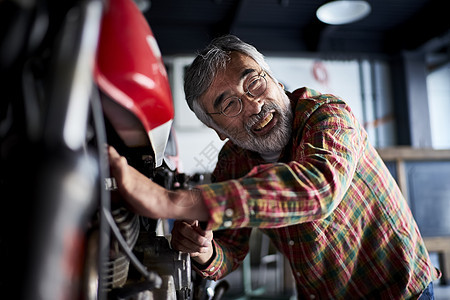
232	106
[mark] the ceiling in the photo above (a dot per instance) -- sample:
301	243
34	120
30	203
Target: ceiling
291	26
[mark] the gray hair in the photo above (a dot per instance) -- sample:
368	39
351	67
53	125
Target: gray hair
200	74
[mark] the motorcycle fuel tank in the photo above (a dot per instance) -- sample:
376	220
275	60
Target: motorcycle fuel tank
130	71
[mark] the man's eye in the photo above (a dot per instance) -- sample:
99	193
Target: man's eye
254	84
256	87
229	104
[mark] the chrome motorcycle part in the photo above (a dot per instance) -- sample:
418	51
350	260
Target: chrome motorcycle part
174	267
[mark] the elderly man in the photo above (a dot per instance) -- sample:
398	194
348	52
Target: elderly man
299	167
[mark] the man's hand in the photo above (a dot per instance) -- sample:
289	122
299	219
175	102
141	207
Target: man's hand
188	237
151	200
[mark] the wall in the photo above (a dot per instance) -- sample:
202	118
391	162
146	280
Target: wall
438	86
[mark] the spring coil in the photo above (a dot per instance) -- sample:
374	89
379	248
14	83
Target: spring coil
118	265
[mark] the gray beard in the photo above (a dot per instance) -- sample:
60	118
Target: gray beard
275	140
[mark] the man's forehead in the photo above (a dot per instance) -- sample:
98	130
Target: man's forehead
236	68
240	61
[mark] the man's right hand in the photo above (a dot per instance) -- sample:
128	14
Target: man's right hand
188	237
149	199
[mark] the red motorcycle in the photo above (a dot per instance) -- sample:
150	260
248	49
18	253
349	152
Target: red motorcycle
75	76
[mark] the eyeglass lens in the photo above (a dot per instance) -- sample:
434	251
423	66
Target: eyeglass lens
232	106
257	86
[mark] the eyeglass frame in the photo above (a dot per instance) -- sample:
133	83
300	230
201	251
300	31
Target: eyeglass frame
262	75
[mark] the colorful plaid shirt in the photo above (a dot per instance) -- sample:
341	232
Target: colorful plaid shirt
329	205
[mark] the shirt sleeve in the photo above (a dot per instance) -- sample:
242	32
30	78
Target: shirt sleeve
326	147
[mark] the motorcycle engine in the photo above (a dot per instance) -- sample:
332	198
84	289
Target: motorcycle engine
123	281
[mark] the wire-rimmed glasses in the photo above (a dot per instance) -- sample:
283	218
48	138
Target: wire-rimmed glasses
232	106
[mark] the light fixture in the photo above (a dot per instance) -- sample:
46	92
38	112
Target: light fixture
343	11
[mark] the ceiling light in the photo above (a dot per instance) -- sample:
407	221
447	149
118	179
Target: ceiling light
343	11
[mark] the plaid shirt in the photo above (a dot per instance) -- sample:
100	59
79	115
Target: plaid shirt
329	205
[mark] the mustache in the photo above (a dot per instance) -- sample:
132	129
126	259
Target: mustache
260	116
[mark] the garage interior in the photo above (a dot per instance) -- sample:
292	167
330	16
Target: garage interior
392	65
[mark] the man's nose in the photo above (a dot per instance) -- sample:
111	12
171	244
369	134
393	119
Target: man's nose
252	105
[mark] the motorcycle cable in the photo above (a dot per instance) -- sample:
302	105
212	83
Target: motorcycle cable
151	277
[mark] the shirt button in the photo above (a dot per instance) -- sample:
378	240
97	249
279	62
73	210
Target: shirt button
298	274
291	243
312	297
227	224
229	212
212	269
